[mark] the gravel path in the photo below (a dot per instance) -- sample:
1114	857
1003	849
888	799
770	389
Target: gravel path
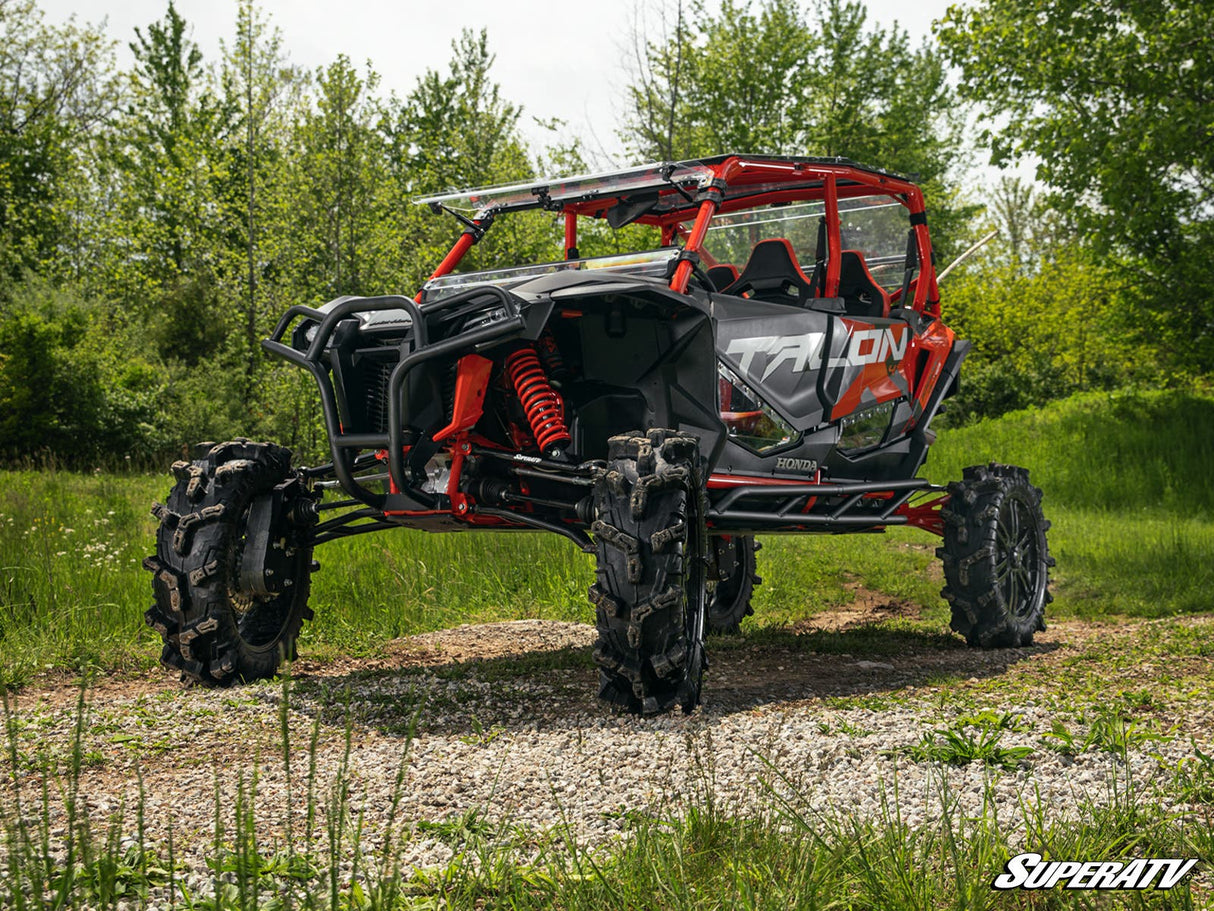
497	724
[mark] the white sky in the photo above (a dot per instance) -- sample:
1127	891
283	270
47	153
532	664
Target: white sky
560	60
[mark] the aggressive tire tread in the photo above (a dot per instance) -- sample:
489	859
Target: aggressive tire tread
649	592
977	554
213	633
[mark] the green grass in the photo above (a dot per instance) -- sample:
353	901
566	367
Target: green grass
72	591
690	853
1125	476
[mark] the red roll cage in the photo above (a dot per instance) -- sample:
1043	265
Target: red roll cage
669	195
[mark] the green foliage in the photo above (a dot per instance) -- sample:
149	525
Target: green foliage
1109	730
1063	326
1114	100
65	389
455	131
256	82
963	745
182	208
774	79
336	176
1119	451
723	83
168	153
56	84
1195	778
973	738
1124	476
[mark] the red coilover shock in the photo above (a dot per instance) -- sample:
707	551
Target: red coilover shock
542	404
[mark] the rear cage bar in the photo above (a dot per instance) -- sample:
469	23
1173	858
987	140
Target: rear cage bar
412	354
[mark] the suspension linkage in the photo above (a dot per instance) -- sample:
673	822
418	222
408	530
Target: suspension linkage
546	468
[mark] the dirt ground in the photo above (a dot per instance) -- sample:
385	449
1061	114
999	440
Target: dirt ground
846	651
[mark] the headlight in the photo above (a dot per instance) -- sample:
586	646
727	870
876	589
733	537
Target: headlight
867	427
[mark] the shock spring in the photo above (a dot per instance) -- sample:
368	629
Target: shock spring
542	404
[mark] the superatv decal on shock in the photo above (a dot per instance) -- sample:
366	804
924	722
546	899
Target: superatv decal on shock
803	352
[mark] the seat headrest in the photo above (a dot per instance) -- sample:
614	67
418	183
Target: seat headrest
723	275
772	274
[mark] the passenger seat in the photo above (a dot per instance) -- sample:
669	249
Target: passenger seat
723	275
862	296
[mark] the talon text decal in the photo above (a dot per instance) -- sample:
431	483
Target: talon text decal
865	346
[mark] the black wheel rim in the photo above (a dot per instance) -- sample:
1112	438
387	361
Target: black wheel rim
722	600
260	619
696	594
1018	565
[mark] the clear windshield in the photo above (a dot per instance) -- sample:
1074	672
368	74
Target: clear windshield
651	263
730	238
874	226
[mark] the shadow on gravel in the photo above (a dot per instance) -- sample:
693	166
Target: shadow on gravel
555	689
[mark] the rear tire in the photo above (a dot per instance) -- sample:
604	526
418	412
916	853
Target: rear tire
650	592
996	559
214	632
734	562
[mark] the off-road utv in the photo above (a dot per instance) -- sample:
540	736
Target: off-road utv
772	367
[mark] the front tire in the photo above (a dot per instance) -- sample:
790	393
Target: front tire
216	630
650	592
995	555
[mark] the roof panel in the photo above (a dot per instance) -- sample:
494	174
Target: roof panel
751	175
609	184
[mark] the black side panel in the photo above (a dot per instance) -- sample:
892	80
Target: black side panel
804	362
646	361
778	350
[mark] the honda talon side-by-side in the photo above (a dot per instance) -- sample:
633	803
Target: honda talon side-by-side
772	366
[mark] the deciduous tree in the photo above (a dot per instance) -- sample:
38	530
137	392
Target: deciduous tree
1115	100
56	88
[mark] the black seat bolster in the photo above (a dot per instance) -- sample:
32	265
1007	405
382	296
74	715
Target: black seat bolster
861	294
723	275
772	274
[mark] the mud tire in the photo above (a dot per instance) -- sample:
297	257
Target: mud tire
650	589
214	633
729	602
996	558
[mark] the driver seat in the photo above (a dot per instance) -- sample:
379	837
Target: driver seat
772	275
